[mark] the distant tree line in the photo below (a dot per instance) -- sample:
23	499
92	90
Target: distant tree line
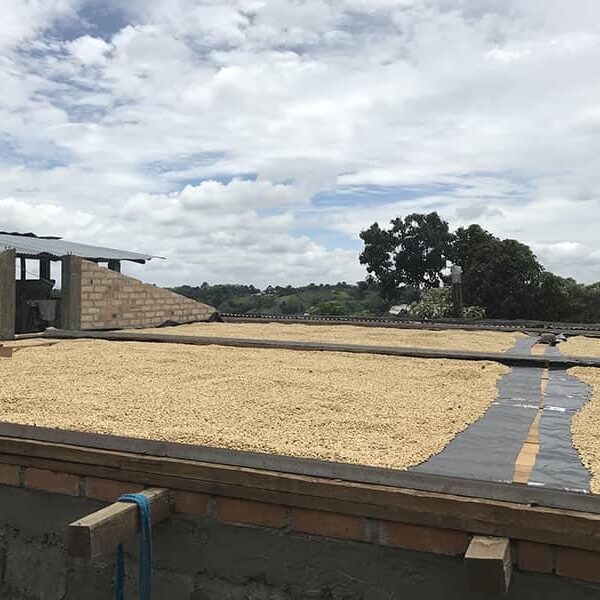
323	299
216	295
407	262
501	275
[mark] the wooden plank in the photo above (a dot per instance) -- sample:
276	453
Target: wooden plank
88	448
569	329
427	353
531	446
97	534
489	564
566	528
474	515
41	344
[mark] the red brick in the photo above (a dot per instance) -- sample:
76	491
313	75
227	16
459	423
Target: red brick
423	539
109	490
191	503
329	524
51	481
578	564
10	475
535	557
246	512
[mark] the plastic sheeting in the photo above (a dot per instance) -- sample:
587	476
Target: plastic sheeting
522	345
558	464
488	449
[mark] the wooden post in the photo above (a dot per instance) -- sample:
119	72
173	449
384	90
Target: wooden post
489	564
45	268
23	263
6	351
94	535
114	265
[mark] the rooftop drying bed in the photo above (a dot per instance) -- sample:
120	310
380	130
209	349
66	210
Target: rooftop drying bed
581	346
365	409
480	341
585	426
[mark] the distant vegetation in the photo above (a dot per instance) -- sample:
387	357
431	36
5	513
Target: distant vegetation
503	277
407	265
324	299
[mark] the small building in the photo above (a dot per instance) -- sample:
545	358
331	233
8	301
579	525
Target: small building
93	293
398	309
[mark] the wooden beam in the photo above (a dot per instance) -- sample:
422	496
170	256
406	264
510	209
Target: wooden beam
489	564
465	325
6	351
531	446
93	448
99	533
23	265
525	360
471	514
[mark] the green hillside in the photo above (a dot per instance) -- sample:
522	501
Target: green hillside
323	299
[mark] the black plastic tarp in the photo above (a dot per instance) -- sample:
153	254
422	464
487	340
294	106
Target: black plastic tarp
488	449
558	464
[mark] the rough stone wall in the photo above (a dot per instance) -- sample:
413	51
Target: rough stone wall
200	558
110	300
7	294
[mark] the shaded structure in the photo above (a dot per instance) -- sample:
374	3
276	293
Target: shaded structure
36	302
47	248
91	285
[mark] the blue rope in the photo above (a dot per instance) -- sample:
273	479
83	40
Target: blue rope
143	505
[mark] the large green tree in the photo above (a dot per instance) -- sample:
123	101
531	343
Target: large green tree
502	276
466	240
413	252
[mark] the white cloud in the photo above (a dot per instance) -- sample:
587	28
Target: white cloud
23	19
127	136
89	50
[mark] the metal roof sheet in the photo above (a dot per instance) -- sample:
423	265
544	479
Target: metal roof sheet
38	247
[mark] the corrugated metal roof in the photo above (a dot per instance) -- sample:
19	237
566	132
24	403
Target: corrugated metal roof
38	247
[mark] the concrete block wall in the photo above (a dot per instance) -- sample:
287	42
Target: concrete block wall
99	298
8	297
223	548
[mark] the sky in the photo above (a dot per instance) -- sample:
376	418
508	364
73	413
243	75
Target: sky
250	141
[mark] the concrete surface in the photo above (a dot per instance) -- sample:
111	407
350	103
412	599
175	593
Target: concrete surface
70	302
8	298
200	559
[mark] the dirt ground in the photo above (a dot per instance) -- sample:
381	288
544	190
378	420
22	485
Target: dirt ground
454	339
580	346
375	410
586	425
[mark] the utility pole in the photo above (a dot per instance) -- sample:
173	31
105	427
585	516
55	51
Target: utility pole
457	298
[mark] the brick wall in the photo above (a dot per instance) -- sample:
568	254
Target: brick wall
103	299
216	547
7	294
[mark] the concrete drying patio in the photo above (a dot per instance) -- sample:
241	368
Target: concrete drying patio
367	409
482	341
